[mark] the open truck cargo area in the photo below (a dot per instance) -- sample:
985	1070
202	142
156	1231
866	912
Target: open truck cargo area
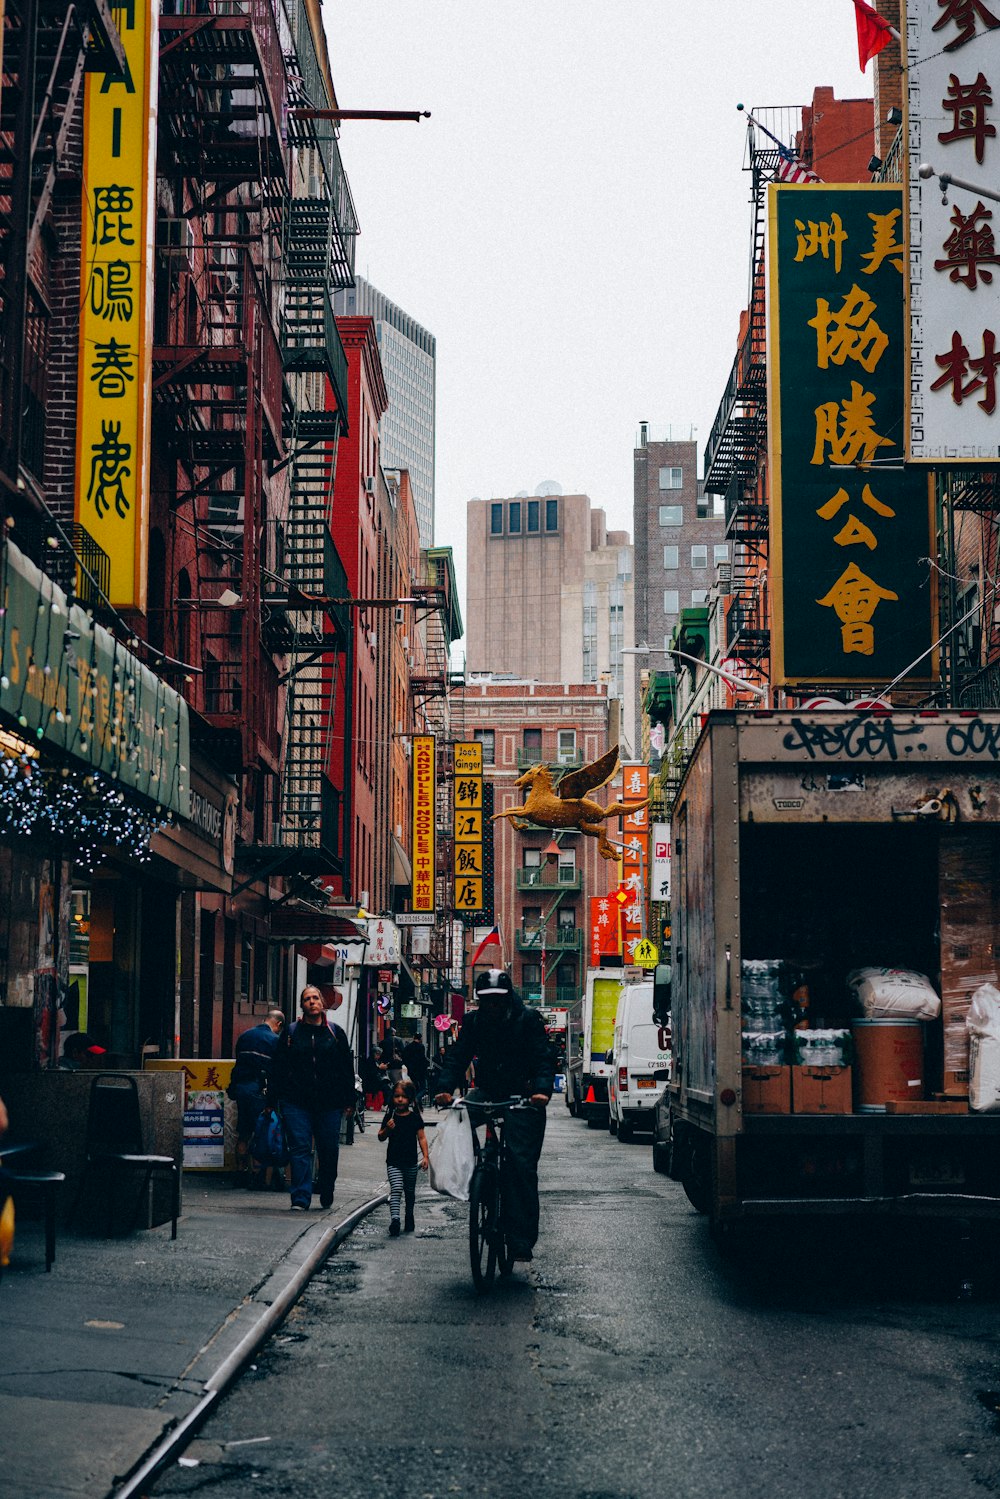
810	848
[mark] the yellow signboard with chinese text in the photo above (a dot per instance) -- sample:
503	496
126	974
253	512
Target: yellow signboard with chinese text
469	758
422	884
116	305
467	806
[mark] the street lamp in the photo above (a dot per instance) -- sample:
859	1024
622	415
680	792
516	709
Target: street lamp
737	683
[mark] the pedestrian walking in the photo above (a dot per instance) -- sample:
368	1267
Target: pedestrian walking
403	1127
416	1063
314	1084
249	1086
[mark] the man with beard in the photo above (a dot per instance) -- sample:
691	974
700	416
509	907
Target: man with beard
508	1046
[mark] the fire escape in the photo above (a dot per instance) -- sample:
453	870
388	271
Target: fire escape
47	49
217	371
735	454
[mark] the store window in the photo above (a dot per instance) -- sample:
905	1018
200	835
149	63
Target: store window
496	520
671	515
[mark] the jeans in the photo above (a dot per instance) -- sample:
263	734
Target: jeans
302	1126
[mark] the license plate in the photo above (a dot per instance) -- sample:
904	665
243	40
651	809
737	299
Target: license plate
936	1171
645	1082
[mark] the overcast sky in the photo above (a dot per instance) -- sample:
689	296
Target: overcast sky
572	222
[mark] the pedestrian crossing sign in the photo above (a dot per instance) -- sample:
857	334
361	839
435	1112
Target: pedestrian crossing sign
645	954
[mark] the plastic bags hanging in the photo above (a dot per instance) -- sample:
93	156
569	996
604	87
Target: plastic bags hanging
983	1021
453	1155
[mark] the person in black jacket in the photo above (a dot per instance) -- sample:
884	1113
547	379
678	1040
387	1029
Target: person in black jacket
512	1056
314	1082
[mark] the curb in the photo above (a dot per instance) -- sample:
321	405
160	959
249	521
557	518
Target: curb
219	1381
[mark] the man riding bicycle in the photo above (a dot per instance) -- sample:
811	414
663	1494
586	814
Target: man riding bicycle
512	1055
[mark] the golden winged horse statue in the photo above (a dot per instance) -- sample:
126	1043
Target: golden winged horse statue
567	805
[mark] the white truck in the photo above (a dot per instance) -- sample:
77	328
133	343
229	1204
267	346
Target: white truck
640	1062
600	1006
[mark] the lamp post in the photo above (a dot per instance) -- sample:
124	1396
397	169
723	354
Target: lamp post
737	683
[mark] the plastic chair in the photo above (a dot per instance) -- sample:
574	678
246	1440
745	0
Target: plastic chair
114	1147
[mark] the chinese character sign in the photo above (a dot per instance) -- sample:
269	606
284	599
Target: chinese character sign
953	110
116	301
659	884
468	827
603	927
422	883
635	857
851	600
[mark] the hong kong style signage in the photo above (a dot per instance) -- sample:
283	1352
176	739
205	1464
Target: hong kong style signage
635	857
422	887
468	829
852	602
952	78
116	301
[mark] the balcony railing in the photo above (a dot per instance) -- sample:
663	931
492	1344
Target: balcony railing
531	879
564	760
562	939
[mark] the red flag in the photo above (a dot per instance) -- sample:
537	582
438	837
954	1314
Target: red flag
873	32
492	936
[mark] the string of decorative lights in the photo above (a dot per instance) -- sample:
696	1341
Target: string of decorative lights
83	815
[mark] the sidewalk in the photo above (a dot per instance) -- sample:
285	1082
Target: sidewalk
101	1357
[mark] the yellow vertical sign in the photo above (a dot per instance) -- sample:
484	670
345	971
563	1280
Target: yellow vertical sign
468	830
422	885
114	375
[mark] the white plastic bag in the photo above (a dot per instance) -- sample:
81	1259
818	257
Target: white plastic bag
453	1155
894	994
983	1021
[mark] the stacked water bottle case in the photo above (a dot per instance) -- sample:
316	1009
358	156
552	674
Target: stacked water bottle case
789	1067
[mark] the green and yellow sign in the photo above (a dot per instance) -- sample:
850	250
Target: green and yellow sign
853	602
116	304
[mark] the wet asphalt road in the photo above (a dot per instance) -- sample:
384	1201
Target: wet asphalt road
629	1360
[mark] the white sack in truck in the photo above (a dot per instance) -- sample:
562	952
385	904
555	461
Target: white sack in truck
894	994
983	1021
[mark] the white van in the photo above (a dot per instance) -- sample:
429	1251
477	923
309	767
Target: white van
640	1062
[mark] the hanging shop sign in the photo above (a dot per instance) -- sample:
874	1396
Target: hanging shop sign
422	880
603	928
383	944
68	682
659	884
469	866
851	600
116	305
635	857
952	92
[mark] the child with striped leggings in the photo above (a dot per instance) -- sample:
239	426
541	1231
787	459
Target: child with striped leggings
404	1129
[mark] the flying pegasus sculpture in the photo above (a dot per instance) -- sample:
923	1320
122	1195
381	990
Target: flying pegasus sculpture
566	805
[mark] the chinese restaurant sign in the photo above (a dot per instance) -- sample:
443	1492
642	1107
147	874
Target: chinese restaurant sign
116	301
603	927
468	840
850	529
635	856
424	781
953	111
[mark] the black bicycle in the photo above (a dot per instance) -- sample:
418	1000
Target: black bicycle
488	1247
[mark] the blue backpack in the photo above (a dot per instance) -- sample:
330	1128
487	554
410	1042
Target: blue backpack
269	1146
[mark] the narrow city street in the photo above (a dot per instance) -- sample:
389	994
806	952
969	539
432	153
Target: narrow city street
629	1360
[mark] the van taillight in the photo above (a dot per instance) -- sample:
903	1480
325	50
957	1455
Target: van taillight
623	1079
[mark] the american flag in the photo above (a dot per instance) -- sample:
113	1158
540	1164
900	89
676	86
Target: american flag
790	169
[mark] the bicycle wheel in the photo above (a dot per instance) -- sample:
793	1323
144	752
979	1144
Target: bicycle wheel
482	1226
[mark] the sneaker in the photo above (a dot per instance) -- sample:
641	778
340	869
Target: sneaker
394	1229
298	1207
326	1199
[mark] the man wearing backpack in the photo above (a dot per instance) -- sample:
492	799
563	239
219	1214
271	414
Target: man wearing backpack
249	1086
314	1083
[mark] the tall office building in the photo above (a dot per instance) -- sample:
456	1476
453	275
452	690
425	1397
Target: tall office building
406	431
679	541
549	593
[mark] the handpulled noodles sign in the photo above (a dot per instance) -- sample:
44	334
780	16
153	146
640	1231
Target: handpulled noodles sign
853	602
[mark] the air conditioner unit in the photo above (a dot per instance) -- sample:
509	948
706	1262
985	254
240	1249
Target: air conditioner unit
174	237
399	615
370	484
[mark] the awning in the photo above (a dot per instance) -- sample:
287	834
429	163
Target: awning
402	869
294	924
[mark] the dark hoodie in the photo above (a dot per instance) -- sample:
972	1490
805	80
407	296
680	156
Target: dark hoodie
512	1057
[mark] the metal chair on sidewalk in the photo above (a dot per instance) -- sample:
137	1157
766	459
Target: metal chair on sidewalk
114	1148
48	1184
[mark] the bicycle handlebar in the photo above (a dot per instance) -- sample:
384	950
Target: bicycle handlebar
488	1106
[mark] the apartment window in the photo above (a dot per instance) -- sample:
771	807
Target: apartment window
699	596
514	518
531	976
624	562
532	858
721	553
567	866
531	918
552	515
496	520
668	645
671	478
566	919
671	515
567	746
699	557
487	738
532	515
671	600
532	743
671	559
